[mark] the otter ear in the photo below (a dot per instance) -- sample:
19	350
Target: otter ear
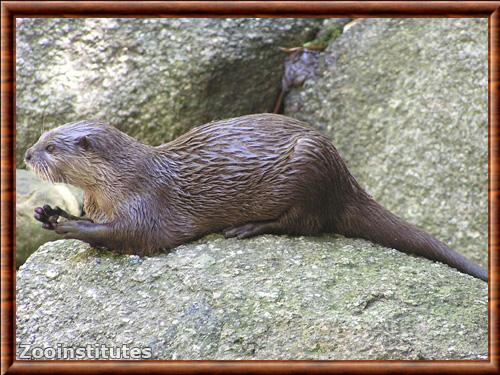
84	142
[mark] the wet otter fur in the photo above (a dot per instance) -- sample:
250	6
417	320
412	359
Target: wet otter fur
244	176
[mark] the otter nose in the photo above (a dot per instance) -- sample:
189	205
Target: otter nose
28	155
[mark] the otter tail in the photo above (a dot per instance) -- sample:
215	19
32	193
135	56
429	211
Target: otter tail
368	220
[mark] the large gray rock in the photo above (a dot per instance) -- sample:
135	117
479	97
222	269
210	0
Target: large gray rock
265	298
32	192
153	78
406	104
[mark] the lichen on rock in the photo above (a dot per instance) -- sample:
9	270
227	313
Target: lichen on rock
270	297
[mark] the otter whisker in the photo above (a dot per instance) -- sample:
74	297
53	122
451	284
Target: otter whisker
40	172
47	178
46	169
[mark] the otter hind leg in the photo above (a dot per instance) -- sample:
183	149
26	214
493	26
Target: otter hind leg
253	229
295	221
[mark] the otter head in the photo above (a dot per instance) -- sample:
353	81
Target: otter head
76	153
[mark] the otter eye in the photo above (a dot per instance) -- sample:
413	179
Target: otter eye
50	148
84	142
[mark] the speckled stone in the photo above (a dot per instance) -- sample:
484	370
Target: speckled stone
268	297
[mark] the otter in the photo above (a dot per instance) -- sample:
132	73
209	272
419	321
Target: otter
244	176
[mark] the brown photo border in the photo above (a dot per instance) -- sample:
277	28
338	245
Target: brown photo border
10	10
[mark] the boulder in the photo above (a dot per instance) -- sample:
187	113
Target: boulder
270	297
152	78
32	192
406	104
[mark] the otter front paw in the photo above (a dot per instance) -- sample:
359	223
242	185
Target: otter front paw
82	230
76	229
48	216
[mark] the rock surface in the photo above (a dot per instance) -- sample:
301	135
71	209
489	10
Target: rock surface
32	192
152	78
265	298
406	104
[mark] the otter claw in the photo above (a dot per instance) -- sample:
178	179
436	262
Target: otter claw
241	232
49	211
